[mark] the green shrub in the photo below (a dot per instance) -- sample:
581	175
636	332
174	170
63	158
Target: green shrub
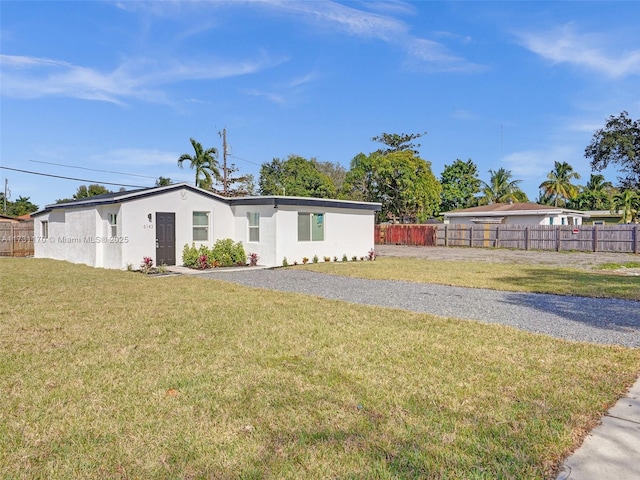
224	253
315	259
190	256
284	262
228	253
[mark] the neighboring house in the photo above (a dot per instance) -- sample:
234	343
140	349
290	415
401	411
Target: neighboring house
117	229
604	217
515	213
9	219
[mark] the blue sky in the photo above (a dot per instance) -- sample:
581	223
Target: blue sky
122	86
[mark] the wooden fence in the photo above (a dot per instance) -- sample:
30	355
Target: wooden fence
402	234
586	238
16	239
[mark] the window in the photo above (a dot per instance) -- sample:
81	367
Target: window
598	222
44	229
113	223
254	227
310	227
200	226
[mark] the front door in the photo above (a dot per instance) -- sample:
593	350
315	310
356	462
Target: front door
165	238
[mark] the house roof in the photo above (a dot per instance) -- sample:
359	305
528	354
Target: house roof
604	213
8	218
511	209
129	195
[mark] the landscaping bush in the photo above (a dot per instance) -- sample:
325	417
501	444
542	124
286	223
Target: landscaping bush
228	253
225	253
190	256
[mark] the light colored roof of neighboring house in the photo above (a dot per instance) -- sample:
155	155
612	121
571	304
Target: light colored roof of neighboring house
604	213
510	209
128	195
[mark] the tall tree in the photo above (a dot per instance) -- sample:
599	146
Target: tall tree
398	142
295	176
401	181
237	185
85	191
334	171
618	143
204	162
628	202
501	188
358	179
21	206
596	194
163	181
460	184
558	188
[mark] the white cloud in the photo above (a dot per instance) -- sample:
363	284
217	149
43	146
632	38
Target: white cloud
433	55
436	57
565	45
31	77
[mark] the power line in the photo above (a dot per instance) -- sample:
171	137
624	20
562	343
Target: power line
72	178
91	169
245	160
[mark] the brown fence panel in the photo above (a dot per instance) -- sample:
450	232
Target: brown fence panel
16	239
585	238
402	234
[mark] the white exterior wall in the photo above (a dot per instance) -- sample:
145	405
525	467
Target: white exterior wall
266	248
346	231
518	220
72	235
141	233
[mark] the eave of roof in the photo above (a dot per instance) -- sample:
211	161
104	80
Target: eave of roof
119	197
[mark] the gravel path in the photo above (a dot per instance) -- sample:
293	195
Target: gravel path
606	321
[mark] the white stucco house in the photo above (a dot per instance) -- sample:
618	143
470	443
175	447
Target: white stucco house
117	229
515	213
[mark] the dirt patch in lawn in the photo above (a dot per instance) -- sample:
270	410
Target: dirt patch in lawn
582	260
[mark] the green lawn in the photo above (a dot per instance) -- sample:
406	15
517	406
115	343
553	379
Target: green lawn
109	374
495	276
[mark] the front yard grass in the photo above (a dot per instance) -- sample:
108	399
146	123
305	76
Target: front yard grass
109	374
495	276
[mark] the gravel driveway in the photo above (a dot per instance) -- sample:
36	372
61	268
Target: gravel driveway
607	321
582	260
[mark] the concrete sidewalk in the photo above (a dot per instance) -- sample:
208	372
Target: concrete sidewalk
612	449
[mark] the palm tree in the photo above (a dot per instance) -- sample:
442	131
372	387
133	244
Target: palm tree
501	188
205	164
597	183
628	202
558	185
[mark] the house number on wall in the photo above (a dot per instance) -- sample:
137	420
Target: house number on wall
147	226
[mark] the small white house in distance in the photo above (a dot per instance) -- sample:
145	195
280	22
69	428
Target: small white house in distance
515	213
117	229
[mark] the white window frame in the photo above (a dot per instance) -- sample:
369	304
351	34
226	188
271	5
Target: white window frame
44	229
311	217
113	224
254	227
200	227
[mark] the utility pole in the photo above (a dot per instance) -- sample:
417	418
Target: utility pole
224	162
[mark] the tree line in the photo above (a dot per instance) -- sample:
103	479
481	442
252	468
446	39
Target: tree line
397	177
